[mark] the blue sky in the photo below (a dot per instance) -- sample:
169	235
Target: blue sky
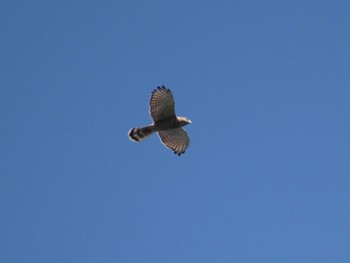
267	175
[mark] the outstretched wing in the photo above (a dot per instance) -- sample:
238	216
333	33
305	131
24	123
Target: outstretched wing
162	104
175	139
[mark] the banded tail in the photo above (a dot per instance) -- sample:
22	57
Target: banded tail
138	134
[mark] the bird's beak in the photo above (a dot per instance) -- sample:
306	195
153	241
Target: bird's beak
189	121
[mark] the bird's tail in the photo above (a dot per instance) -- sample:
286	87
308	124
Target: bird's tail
138	134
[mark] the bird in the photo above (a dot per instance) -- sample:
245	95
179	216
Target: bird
165	122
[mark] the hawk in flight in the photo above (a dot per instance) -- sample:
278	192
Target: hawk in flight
165	122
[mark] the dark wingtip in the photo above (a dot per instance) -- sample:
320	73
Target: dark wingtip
178	153
160	88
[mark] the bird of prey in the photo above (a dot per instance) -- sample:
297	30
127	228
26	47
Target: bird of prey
165	122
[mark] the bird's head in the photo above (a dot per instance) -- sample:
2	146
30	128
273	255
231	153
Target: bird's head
183	121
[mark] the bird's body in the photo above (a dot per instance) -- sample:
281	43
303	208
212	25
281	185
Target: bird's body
165	122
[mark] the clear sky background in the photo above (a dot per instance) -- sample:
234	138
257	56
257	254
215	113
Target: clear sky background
266	177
